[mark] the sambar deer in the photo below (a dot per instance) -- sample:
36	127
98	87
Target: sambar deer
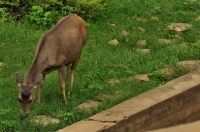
57	49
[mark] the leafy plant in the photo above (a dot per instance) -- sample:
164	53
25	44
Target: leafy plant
66	116
38	15
3	15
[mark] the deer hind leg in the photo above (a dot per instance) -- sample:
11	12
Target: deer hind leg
40	89
67	73
73	68
61	74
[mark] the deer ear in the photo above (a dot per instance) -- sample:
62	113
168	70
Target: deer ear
37	80
18	79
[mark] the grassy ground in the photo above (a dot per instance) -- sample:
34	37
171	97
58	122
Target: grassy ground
100	61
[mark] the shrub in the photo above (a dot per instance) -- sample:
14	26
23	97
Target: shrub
88	8
46	12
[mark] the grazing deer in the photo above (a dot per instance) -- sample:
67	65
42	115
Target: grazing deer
60	47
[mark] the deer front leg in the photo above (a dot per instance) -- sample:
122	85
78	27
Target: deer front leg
40	89
61	74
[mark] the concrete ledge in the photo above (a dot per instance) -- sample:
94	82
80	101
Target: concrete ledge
189	127
171	104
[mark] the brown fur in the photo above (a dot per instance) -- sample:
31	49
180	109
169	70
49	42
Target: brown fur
61	46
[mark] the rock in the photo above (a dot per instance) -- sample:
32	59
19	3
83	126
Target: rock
140	77
113	25
179	27
189	64
88	105
165	41
153	18
113	42
141	43
198	18
141	29
143	50
101	96
124	33
165	71
45	120
196	43
184	45
113	81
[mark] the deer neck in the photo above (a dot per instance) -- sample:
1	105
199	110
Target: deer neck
35	69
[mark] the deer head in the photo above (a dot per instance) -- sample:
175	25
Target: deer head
26	93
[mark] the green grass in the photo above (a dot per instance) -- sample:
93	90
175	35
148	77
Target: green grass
18	41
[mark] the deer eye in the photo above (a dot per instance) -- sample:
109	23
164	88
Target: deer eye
19	100
30	101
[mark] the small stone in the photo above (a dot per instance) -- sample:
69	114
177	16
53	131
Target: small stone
113	81
189	64
124	33
88	105
126	40
140	77
165	41
141	43
45	120
197	43
143	50
154	18
198	18
179	27
141	29
113	25
113	42
1	64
